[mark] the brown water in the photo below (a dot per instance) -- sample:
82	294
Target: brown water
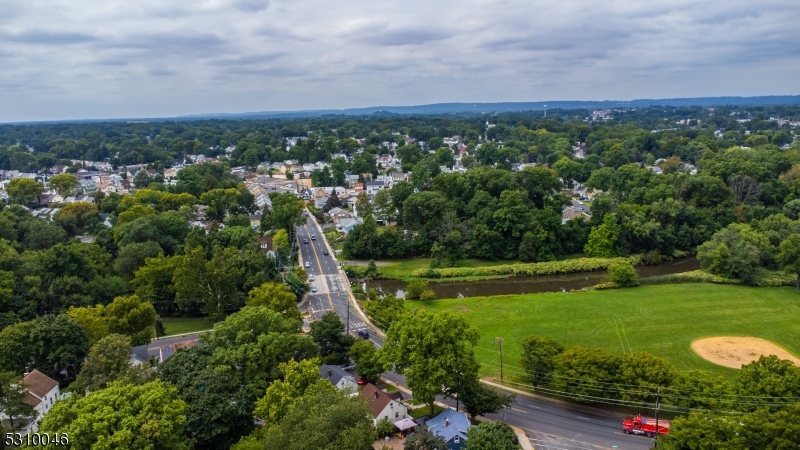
529	285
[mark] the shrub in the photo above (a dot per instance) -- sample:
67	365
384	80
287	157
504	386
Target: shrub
427	295
384	427
522	270
415	289
623	274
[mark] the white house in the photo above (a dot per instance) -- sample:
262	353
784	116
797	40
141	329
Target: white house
43	392
383	405
339	378
374	186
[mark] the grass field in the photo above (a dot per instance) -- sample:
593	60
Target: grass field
180	325
662	320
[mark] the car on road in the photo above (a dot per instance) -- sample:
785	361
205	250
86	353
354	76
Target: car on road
307	264
325	253
305	241
311	277
363	334
313	237
313	288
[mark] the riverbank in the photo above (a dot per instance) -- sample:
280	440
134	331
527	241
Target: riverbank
661	319
510	285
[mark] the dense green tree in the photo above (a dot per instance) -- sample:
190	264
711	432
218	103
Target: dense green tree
789	256
368	363
579	370
423	439
122	416
275	296
408	347
286	212
491	436
23	191
699	389
538	358
736	251
479	400
133	256
211	286
603	238
769	376
65	184
323	421
13	401
108	361
328	334
646	371
299	379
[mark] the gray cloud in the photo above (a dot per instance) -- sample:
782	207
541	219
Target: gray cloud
114	58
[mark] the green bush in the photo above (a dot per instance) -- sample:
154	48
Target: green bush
763	278
384	427
415	289
623	274
523	270
427	295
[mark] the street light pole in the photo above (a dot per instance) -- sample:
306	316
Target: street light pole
500	341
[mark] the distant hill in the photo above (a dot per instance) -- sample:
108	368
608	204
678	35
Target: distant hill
456	108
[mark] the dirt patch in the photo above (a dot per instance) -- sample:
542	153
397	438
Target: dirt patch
463	308
734	352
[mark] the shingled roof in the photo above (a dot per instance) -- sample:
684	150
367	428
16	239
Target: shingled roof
376	399
38	385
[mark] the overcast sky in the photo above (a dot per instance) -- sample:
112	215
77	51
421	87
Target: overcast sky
70	59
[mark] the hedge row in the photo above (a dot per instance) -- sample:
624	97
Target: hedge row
525	270
765	278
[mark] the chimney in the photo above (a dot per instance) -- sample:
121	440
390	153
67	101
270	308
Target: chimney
376	395
446	423
330	372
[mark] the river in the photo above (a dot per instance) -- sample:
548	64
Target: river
529	285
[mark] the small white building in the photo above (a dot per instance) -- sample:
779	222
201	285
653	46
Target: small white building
339	378
383	405
43	392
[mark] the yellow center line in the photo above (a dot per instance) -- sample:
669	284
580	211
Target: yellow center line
320	267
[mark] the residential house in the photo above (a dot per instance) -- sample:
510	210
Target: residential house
452	426
320	202
43	392
339	214
265	243
352	179
374	186
88	187
398	176
358	188
347	225
339	378
382	405
575	210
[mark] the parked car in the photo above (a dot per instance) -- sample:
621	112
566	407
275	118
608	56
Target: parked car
307	264
311	277
362	381
313	288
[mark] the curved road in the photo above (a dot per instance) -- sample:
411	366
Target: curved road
550	425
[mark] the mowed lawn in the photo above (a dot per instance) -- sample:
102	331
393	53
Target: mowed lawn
662	320
180	325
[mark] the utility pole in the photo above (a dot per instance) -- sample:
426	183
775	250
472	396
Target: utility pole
500	341
348	317
658	405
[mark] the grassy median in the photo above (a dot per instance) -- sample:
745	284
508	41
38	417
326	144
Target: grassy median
662	320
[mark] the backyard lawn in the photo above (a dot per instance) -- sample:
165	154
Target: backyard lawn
662	320
180	325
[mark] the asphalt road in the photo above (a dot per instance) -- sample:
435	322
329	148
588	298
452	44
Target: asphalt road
550	425
329	281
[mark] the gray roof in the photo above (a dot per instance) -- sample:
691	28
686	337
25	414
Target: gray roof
449	424
334	374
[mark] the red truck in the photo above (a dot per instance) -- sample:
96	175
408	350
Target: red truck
645	426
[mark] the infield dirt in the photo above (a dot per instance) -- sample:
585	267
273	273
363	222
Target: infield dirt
733	352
